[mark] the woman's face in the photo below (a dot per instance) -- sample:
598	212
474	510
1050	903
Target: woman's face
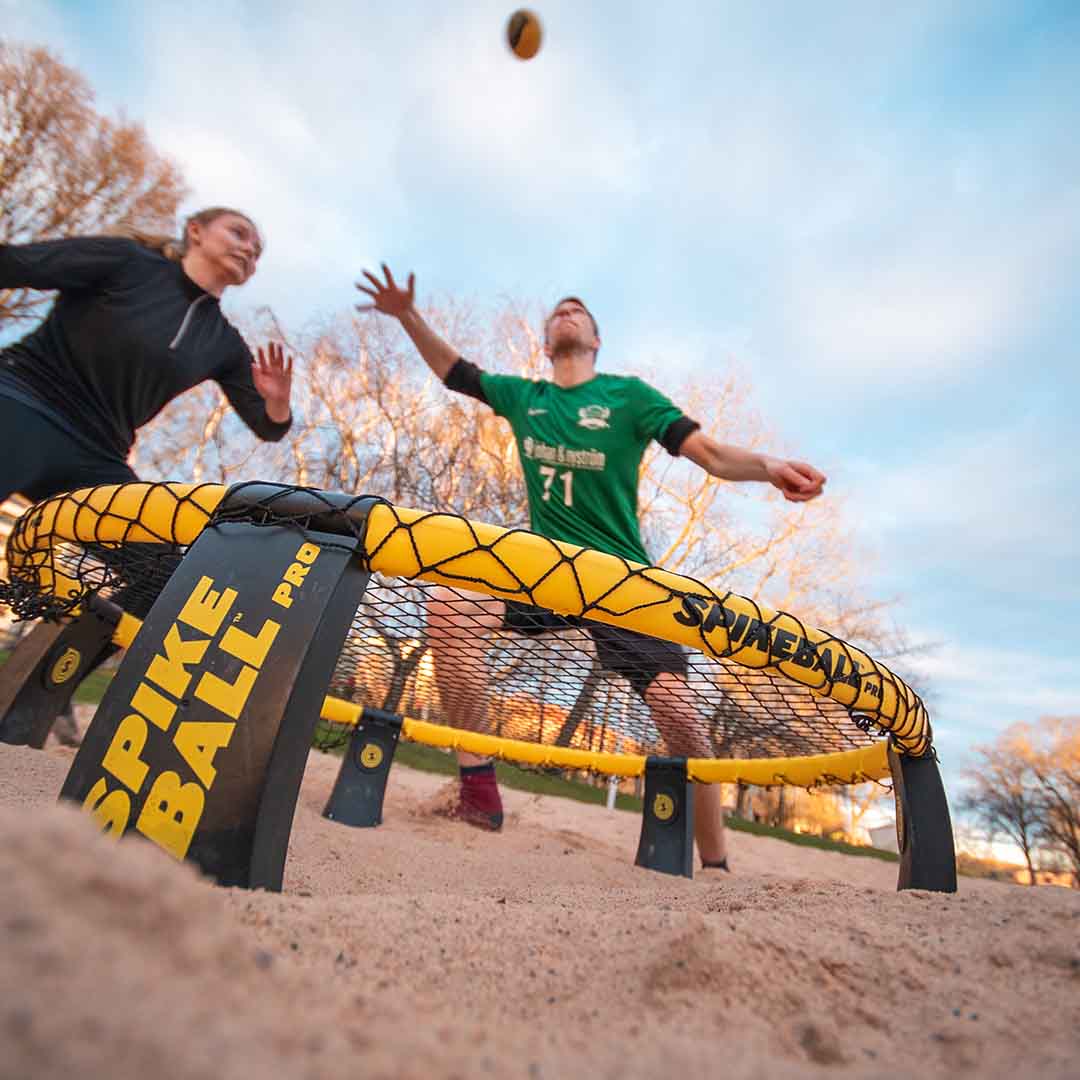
230	243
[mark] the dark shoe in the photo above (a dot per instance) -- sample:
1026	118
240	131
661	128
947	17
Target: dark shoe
479	802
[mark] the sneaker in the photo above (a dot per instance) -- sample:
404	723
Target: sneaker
479	802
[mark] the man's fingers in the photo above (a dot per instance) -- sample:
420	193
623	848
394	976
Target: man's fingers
374	281
790	477
365	289
801	477
799	482
412	285
390	282
809	472
365	307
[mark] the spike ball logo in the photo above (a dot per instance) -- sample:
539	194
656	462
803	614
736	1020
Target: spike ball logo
523	34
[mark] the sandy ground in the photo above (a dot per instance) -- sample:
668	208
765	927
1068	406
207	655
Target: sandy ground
425	948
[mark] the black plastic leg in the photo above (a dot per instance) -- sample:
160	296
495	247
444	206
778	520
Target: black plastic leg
667	822
357	798
200	741
923	825
46	667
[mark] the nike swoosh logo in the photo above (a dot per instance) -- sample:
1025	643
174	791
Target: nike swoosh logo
537	412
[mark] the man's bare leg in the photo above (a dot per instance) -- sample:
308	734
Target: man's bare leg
673	711
458	627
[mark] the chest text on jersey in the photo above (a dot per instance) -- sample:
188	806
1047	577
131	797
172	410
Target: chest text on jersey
561	455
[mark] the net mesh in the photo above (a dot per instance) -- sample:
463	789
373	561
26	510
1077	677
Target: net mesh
553	688
431	638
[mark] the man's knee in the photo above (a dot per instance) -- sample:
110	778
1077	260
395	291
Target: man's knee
675	712
666	690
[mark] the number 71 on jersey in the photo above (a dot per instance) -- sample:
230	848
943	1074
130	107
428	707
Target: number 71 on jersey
567	478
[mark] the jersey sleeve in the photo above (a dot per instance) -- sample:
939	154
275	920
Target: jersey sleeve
658	418
77	263
239	388
501	392
504	393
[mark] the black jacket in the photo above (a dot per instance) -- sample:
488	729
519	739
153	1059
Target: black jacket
129	332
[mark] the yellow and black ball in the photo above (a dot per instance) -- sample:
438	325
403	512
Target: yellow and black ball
524	34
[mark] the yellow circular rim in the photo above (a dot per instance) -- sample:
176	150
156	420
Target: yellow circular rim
511	564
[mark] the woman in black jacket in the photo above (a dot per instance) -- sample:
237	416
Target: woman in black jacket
134	326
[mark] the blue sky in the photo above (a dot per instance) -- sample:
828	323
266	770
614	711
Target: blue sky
875	212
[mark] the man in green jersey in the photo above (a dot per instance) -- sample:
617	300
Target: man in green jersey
580	438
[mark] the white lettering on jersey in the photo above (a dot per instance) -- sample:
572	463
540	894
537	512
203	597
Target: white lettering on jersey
560	455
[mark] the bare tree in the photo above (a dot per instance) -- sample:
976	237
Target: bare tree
1055	761
1004	796
65	170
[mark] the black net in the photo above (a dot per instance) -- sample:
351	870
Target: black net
432	642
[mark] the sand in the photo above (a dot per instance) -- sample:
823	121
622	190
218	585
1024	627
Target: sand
425	948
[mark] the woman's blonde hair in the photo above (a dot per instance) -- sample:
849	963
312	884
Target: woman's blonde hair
170	246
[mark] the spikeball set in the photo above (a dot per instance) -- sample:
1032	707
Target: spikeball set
263	619
260	619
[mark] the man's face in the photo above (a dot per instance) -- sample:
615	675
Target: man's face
570	326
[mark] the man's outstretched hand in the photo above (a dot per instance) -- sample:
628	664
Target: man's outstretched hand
387	297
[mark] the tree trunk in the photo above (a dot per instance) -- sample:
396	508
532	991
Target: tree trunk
403	668
1031	867
581	706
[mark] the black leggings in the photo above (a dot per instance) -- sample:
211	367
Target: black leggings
39	459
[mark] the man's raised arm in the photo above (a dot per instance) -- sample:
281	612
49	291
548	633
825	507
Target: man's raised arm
389	298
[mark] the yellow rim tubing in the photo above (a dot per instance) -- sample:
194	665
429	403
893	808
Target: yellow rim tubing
511	564
118	513
844	767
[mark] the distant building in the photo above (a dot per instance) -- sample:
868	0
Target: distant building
883	837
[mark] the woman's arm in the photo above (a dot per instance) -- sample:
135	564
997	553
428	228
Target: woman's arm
78	263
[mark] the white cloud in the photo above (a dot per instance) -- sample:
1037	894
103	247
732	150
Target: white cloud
348	131
1003	683
936	298
985	505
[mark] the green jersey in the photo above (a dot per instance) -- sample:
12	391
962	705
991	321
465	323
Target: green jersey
581	450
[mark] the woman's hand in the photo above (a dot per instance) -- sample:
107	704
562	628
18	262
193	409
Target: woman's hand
271	372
